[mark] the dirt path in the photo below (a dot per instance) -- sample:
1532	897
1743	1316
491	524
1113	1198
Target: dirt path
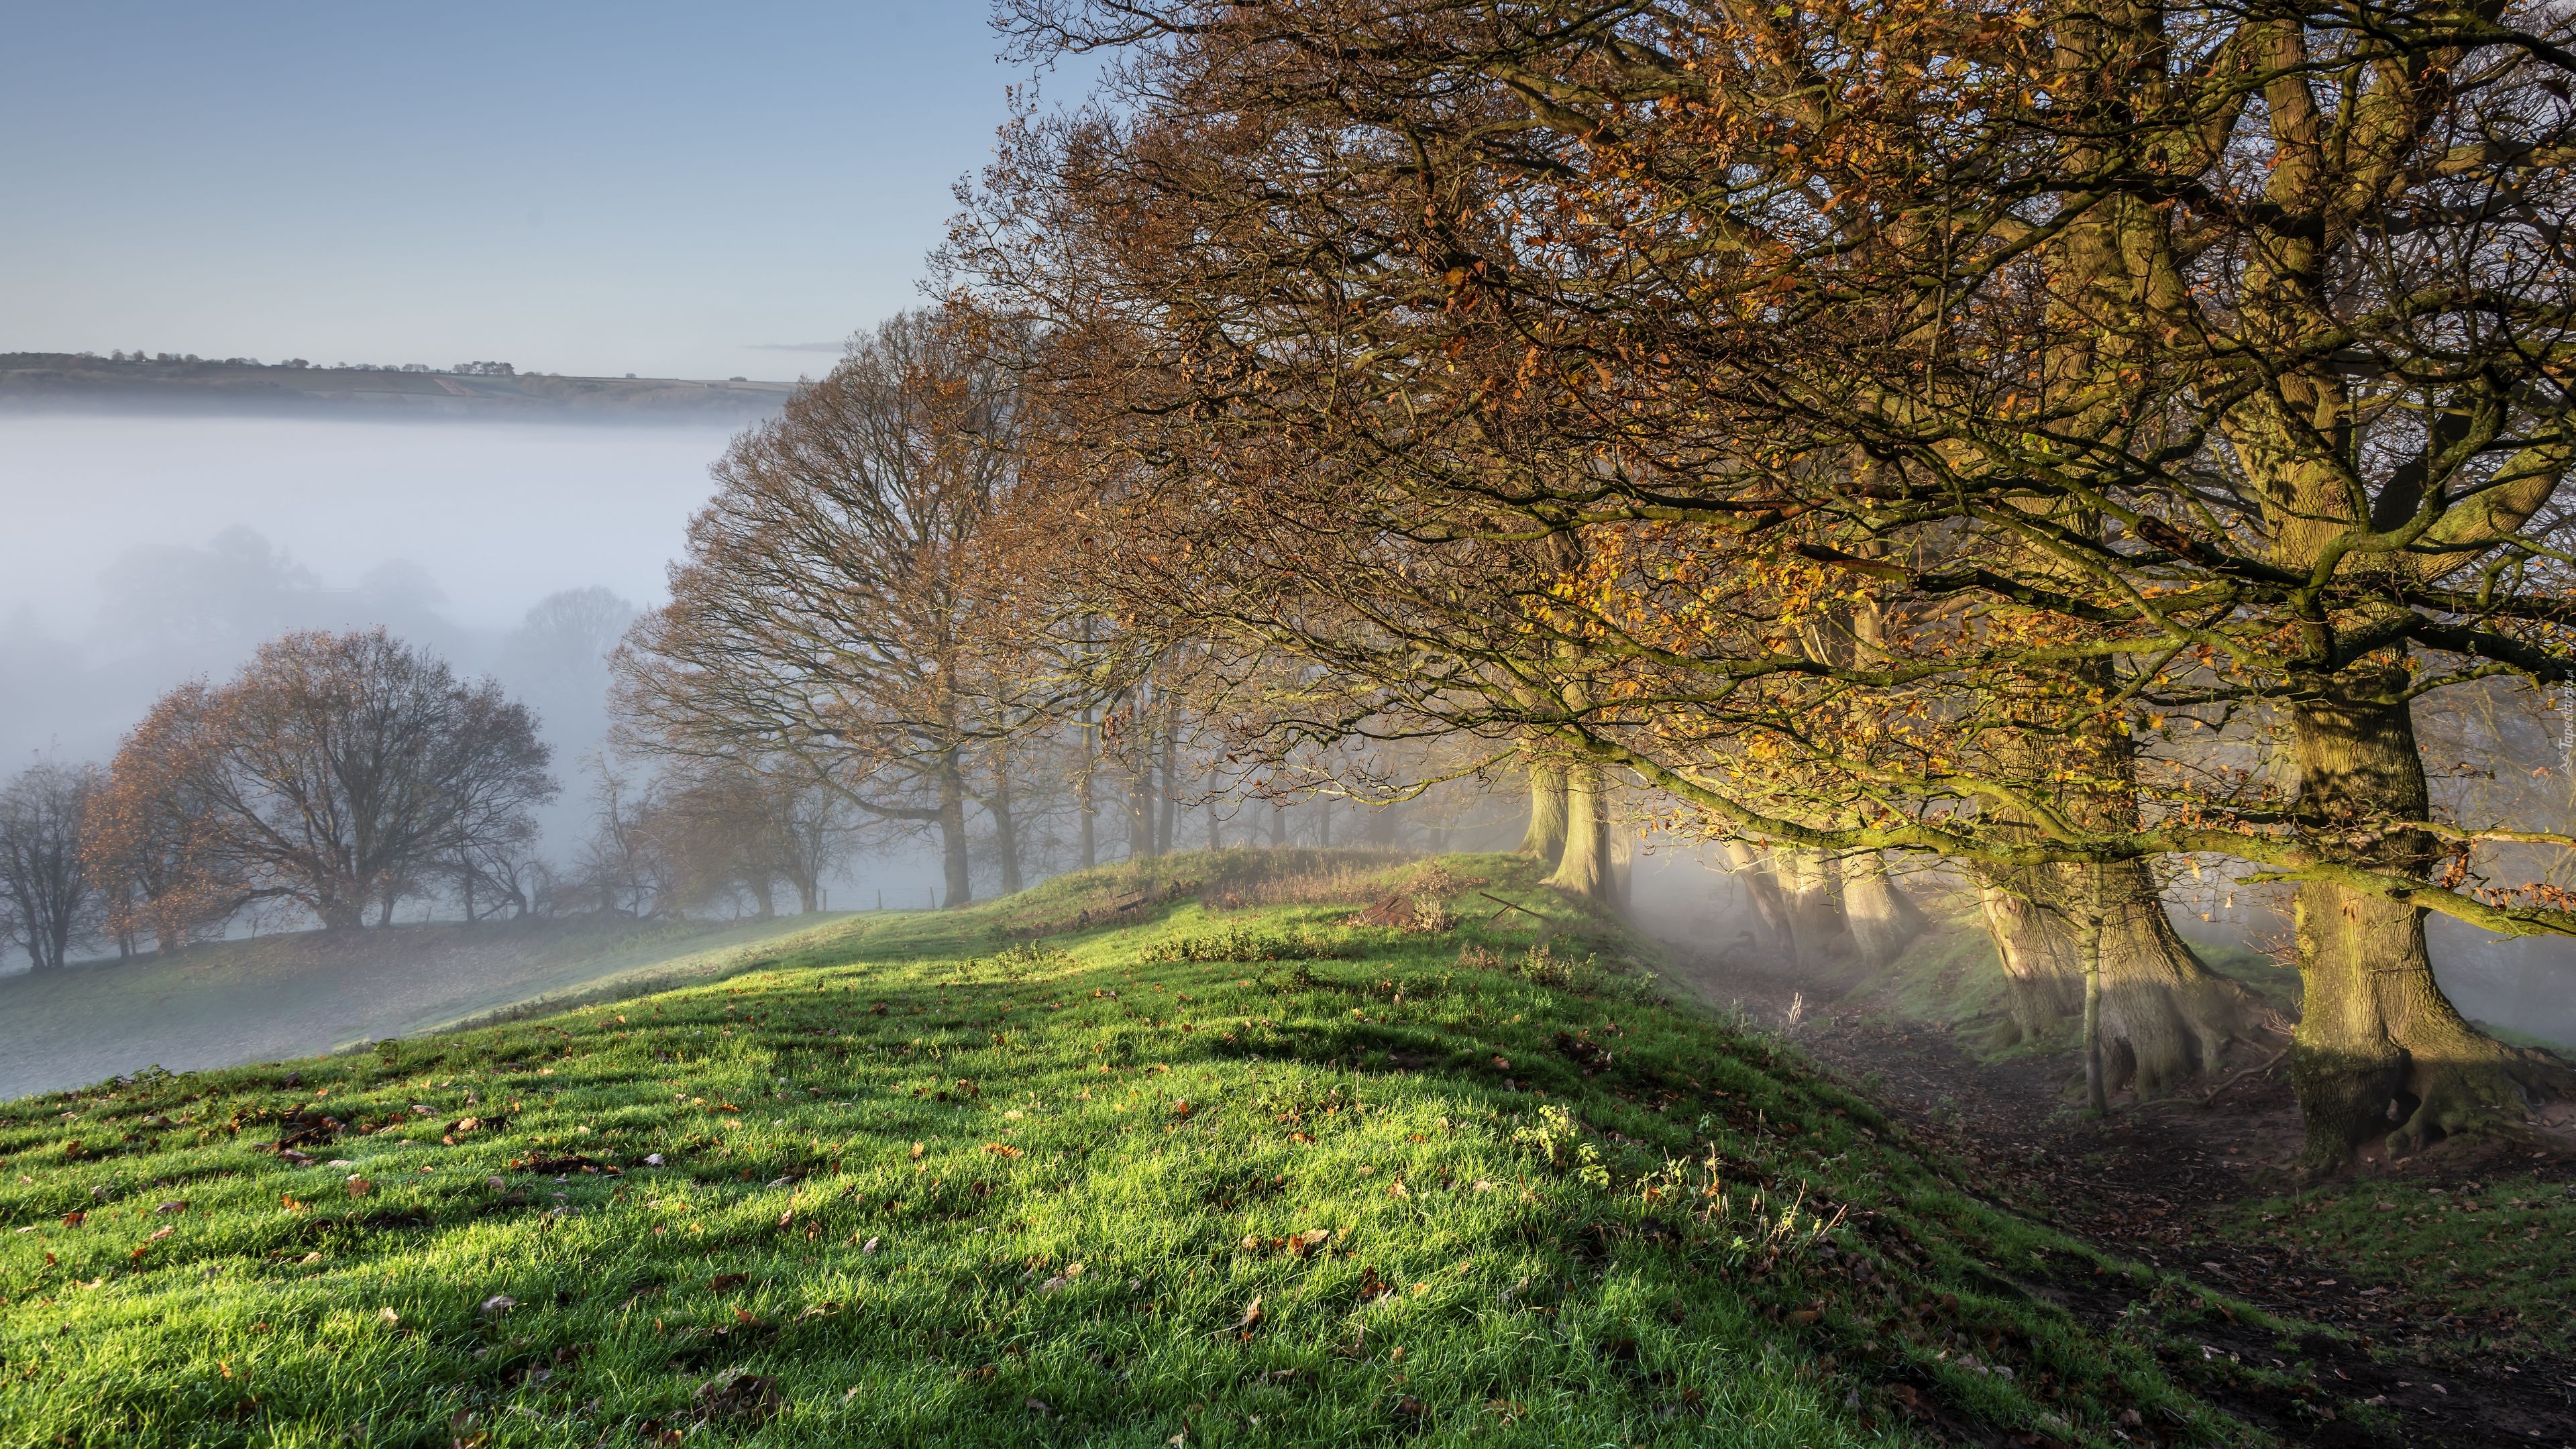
2156	1181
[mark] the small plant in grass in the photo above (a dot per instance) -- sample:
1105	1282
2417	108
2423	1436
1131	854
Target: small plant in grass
1240	943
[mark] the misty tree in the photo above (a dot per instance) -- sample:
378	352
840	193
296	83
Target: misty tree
237	589
336	772
558	658
47	898
828	612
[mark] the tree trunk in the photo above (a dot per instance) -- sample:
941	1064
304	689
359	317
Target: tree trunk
1821	936
1544	841
1278	825
809	894
2165	1017
1324	823
1216	828
1883	922
1752	869
1383	823
2097	1092
764	896
1085	796
1585	868
1006	834
1140	810
952	830
1163	833
2378	1044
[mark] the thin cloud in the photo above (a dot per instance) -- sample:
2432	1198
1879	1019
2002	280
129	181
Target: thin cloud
793	346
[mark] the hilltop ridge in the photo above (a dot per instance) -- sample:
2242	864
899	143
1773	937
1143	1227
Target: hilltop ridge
1253	1147
74	382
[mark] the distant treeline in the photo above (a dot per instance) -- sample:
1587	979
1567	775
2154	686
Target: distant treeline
184	383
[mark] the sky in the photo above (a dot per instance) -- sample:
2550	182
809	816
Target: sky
671	190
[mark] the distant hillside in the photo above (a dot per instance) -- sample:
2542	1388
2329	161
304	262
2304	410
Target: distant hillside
69	382
229	1002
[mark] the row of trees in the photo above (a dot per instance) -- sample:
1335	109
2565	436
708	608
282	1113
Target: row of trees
2049	444
2049	441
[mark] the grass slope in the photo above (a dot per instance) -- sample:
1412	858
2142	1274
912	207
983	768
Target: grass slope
225	1003
2490	1261
1167	1173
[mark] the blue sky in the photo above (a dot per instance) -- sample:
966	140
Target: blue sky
570	187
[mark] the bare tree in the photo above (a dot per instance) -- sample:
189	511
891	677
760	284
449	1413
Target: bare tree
827	615
47	898
336	772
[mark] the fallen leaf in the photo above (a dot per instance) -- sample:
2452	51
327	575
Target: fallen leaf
916	1151
1003	1149
743	1396
74	1219
158	1236
1251	1315
388	1317
360	1187
869	1250
173	1206
652	1159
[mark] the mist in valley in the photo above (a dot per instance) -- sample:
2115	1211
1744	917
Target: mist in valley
152	551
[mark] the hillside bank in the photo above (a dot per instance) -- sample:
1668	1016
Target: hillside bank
1254	1148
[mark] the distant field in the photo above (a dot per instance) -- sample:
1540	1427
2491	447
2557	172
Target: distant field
233	1002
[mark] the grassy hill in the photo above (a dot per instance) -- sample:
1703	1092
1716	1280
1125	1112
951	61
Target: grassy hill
225	1003
1164	1156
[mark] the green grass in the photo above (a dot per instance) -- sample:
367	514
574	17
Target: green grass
224	1003
2492	1259
951	1179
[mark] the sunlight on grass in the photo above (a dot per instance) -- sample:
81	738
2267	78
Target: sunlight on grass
934	1181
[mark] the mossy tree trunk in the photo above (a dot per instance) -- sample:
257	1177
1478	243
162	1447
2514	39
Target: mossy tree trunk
2165	1016
1584	869
1882	921
2379	1047
1752	869
1822	936
1544	841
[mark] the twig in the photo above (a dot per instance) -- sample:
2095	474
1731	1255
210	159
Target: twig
2241	1076
1509	906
